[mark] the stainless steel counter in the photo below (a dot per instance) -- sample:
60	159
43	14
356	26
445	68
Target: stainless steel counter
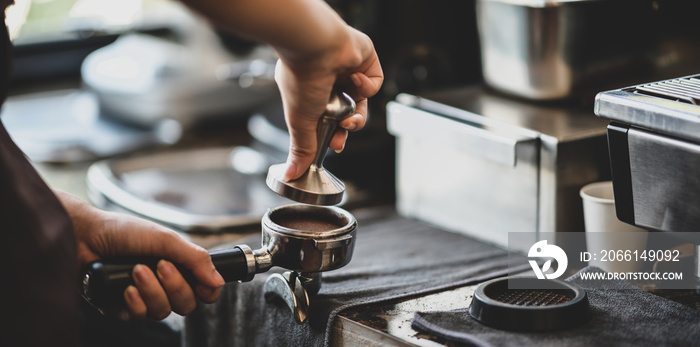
390	324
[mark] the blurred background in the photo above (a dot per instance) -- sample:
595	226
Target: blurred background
95	79
141	104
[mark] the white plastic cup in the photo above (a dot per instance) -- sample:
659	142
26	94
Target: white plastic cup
611	243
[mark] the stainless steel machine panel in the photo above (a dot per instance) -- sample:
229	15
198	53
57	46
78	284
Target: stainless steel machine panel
478	163
461	176
654	142
664	194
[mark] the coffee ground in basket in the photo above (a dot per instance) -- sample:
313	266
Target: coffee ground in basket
307	224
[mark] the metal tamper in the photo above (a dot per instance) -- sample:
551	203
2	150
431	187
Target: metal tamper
317	186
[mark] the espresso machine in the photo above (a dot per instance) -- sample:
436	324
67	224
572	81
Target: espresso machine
654	145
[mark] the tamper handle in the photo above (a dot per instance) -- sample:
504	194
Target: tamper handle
339	107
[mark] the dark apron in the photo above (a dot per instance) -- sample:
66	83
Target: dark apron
38	264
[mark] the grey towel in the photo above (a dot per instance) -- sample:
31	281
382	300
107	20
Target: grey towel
394	257
622	315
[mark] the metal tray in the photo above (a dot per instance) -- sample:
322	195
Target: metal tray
203	190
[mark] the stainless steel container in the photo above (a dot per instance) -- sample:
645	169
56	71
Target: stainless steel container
476	163
549	49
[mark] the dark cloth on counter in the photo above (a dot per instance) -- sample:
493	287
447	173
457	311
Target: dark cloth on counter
394	257
621	315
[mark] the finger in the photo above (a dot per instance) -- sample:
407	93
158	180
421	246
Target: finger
302	149
151	292
195	258
354	122
137	308
338	141
302	144
198	260
361	109
179	292
207	294
367	83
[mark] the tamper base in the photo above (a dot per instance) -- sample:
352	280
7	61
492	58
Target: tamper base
317	186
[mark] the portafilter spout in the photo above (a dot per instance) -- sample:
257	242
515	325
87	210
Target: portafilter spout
317	186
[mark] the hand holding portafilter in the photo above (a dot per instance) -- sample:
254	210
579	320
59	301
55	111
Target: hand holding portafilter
317	186
305	239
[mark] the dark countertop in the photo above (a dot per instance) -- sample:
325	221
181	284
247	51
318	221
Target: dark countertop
390	323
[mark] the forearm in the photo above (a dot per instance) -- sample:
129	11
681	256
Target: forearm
296	29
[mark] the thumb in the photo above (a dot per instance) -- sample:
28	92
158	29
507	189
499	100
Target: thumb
302	149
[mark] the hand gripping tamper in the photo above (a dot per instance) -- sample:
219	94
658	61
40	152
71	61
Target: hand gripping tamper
317	186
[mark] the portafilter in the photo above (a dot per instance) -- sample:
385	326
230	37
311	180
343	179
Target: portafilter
305	239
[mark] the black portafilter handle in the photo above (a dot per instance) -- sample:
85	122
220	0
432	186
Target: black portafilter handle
104	282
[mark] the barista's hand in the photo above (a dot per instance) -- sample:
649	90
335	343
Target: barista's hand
103	234
350	64
317	51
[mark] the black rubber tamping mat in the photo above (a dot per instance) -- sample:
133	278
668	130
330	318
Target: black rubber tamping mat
621	315
529	304
394	258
